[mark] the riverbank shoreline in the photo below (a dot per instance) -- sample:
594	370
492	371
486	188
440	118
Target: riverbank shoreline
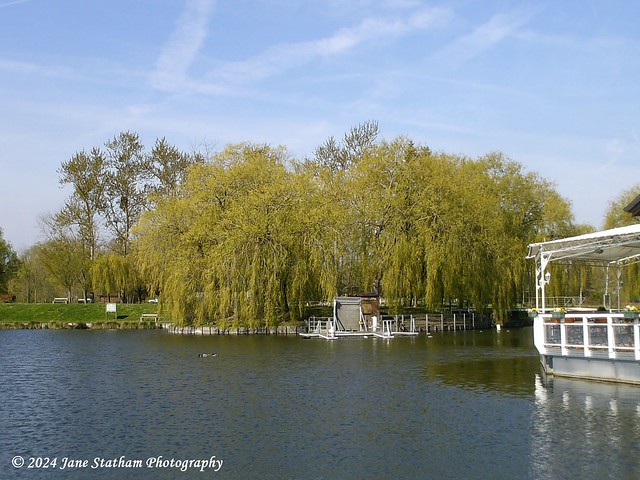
113	325
151	325
146	316
213	330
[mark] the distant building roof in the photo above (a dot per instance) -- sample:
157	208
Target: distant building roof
634	207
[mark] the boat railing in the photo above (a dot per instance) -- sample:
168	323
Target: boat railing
608	335
564	302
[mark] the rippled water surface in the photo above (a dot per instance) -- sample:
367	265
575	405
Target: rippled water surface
454	405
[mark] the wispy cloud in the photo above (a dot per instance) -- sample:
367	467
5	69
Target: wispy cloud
280	58
15	2
19	67
612	46
92	72
184	44
483	38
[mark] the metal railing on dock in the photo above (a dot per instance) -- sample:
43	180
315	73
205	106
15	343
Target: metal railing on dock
451	322
390	325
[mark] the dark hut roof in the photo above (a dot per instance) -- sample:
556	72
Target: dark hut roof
634	207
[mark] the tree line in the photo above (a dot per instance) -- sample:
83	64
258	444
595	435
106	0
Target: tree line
254	235
248	235
88	241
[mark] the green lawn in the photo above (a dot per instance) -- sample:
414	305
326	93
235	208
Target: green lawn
75	312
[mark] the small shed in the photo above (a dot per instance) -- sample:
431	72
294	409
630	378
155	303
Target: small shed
355	313
347	312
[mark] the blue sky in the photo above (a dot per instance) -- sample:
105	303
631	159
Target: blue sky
551	84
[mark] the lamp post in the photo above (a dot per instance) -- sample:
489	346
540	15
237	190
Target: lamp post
543	281
619	275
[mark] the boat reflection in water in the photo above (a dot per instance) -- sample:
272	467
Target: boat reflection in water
558	427
485	362
591	429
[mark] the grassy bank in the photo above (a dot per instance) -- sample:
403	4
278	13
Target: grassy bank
76	312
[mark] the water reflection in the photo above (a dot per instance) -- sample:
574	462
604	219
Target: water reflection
590	429
486	361
455	405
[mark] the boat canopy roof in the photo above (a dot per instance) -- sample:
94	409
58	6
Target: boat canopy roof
617	245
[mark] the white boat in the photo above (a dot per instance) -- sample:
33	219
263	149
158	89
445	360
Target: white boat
588	344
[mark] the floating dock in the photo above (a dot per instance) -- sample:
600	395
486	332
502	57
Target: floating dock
350	319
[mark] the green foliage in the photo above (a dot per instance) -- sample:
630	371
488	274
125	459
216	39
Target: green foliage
168	166
85	172
251	237
615	215
64	260
32	282
111	187
115	273
234	246
9	263
125	198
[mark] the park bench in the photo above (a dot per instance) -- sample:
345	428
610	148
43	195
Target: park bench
149	316
60	300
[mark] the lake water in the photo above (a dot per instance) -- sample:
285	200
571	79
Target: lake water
463	405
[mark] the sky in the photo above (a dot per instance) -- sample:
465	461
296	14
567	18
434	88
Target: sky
553	85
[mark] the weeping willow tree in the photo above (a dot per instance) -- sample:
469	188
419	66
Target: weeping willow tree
114	273
248	238
234	245
385	192
345	244
418	225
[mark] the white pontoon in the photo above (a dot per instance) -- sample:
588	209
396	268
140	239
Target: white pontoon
599	345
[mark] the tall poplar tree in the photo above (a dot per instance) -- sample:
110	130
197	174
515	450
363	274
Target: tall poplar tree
125	187
85	173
